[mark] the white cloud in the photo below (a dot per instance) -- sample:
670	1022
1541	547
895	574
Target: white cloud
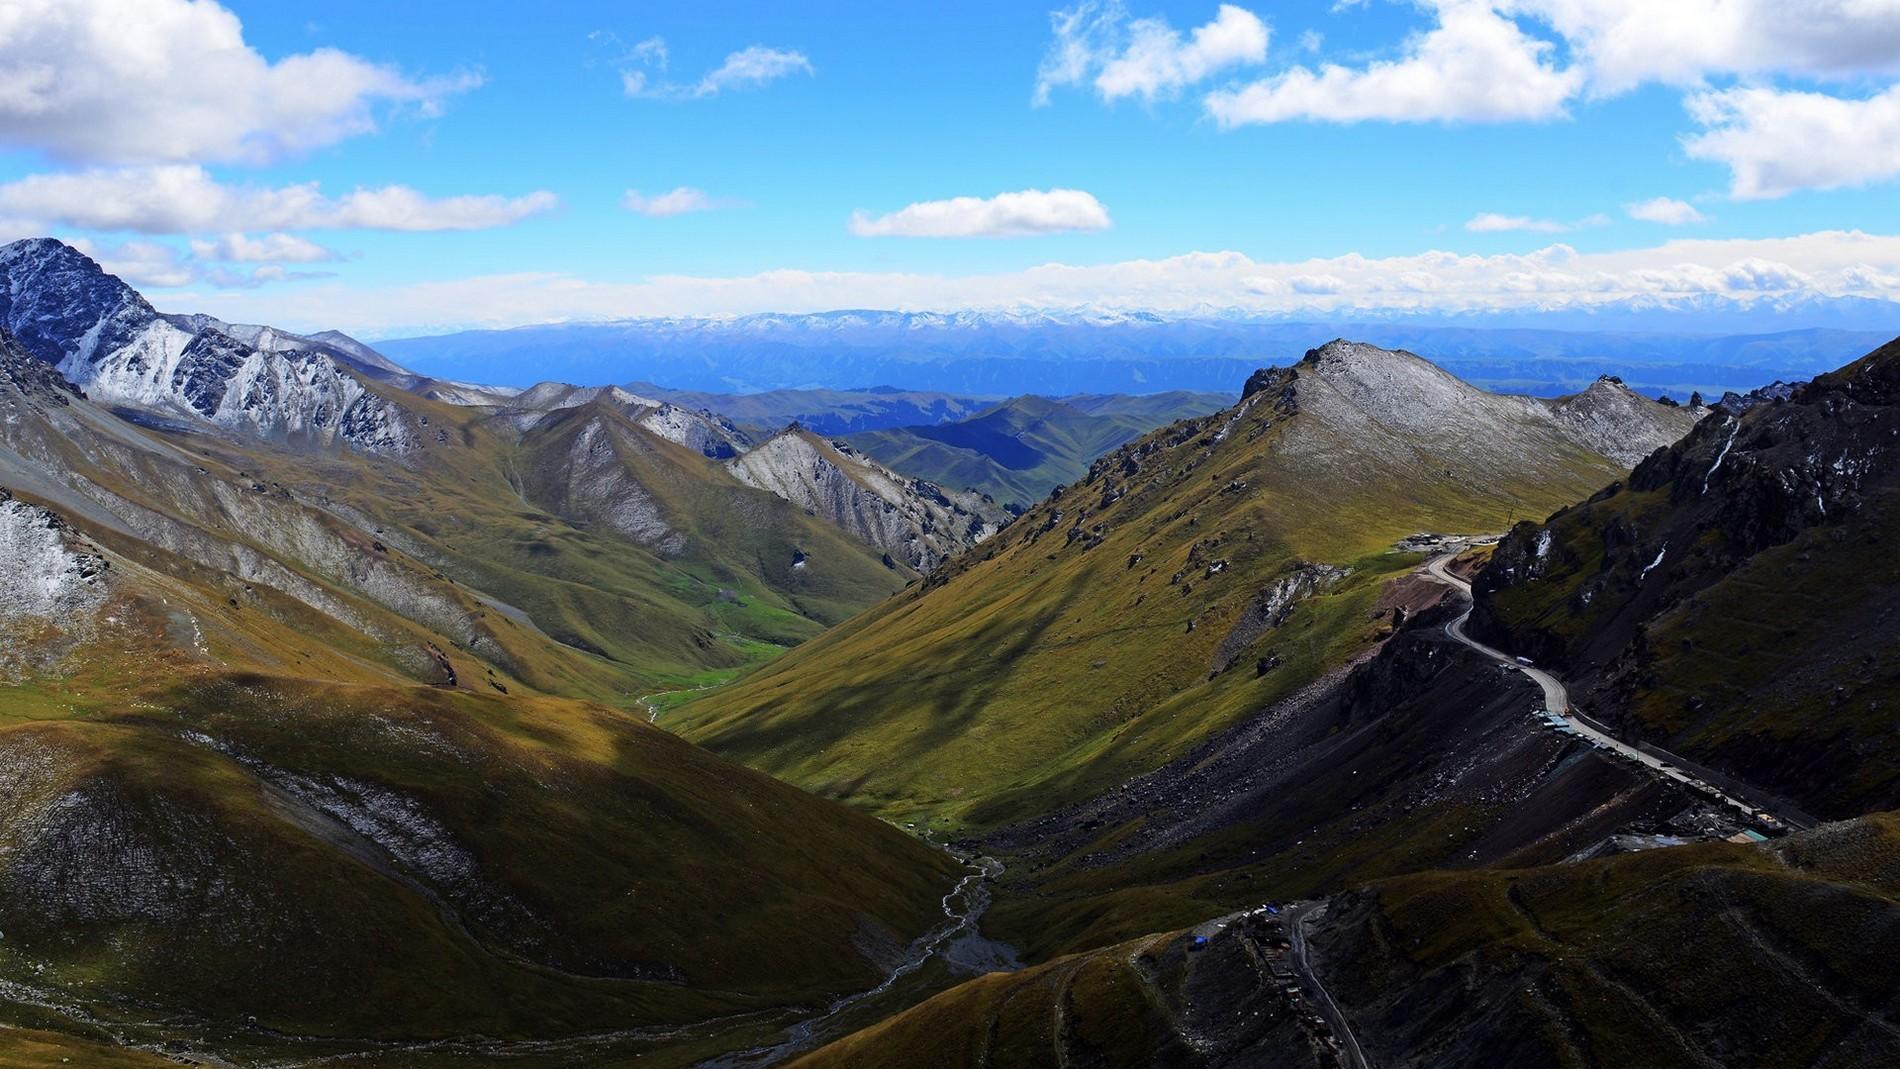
1031	211
185	199
1493	222
1665	210
111	81
752	67
158	265
1624	43
1144	57
1825	263
1775	142
141	263
1530	60
270	248
679	201
1475	65
747	68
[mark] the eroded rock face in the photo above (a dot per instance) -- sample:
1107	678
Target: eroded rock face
917	522
42	574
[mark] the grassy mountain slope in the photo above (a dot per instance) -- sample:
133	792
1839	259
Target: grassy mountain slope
1118	623
1774	954
1153	1001
236	818
1021	449
1732	599
1712	954
1421	757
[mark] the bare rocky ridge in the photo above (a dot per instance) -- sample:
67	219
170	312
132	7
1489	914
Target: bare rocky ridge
698	430
914	521
1413	411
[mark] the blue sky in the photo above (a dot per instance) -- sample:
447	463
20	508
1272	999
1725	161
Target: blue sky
1509	138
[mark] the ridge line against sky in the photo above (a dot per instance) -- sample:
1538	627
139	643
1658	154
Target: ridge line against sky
462	166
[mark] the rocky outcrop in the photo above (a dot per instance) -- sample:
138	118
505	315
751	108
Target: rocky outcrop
45	571
1271	607
916	522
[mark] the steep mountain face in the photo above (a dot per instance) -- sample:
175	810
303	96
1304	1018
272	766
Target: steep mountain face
913	521
1730	600
1119	623
105	339
1018	451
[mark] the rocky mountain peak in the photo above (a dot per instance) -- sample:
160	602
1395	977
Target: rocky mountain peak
68	312
64	307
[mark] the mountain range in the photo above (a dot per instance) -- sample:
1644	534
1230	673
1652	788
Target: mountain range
1361	716
1018	451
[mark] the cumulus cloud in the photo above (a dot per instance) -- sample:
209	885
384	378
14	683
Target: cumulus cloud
151	264
185	199
1827	263
1665	210
1006	215
1144	57
106	81
1775	142
682	200
1532	60
748	68
1625	43
1475	65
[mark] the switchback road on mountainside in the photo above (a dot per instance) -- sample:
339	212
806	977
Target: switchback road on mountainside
1557	701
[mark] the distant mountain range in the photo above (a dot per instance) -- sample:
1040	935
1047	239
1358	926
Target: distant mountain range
1018	451
982	354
